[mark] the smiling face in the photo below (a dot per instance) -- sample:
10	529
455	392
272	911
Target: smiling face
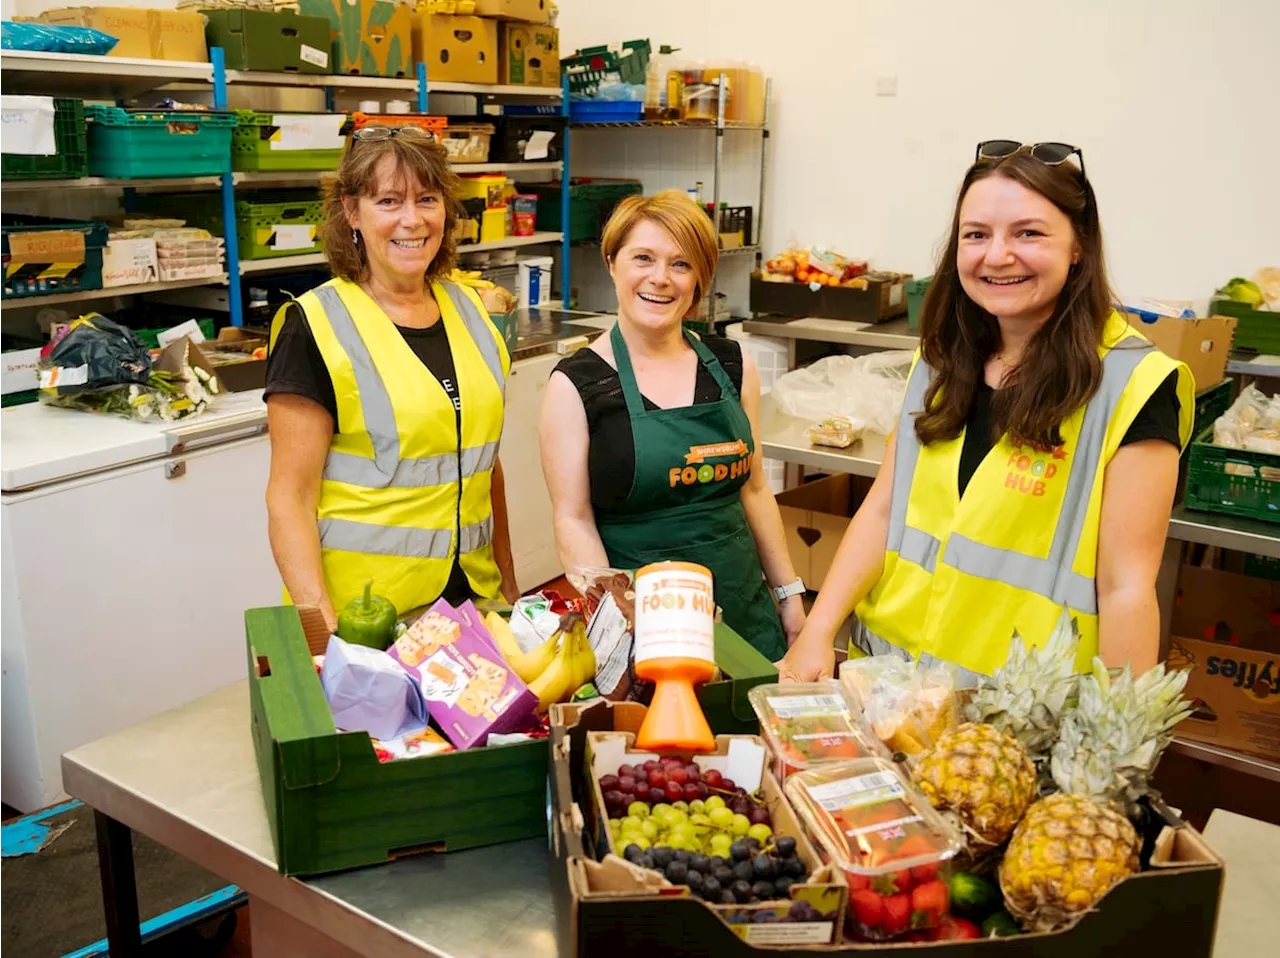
654	278
401	224
1015	249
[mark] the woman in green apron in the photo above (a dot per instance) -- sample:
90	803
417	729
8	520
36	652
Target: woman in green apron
648	437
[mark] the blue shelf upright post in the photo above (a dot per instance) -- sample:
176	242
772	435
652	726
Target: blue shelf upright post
234	300
565	300
422	88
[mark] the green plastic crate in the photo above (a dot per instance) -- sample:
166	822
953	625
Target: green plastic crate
258	213
72	158
1255	328
1211	488
151	337
1210	404
40	279
916	289
590	203
251	147
135	144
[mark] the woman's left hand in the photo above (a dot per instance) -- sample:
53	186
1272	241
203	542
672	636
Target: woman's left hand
792	613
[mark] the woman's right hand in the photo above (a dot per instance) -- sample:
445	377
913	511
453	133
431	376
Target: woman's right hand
811	659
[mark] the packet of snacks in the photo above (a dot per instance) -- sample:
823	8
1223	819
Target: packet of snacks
906	704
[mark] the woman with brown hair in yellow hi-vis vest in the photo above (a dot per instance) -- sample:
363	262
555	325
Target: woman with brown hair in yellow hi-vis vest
1035	461
385	392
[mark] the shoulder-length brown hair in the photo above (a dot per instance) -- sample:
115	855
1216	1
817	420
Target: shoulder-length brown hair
1060	369
415	159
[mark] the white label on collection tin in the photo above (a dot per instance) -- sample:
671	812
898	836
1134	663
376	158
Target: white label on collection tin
675	615
869	789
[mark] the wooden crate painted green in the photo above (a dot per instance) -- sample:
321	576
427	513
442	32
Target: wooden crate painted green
276	42
368	37
1255	328
332	805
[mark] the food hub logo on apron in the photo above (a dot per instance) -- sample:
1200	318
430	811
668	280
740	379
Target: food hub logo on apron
696	470
1030	474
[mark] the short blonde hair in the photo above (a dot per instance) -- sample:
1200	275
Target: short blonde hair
688	226
423	160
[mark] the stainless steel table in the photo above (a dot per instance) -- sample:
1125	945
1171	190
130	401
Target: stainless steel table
188	779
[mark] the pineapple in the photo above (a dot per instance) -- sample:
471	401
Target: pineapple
980	775
1065	855
1028	694
1111	741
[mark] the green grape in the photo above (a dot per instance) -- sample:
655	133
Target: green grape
714	802
698	806
649	829
681	805
638	809
631	823
741	825
720	817
761	833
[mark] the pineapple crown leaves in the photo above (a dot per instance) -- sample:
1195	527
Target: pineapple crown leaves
1028	694
1113	737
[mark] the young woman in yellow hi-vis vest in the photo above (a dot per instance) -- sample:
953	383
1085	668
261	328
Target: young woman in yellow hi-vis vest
385	392
1035	461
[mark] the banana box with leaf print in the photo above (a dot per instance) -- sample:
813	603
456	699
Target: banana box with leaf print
333	804
369	37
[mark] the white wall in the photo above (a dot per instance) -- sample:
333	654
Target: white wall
1174	102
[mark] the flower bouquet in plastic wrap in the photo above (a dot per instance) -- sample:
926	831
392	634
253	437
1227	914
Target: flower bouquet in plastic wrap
97	365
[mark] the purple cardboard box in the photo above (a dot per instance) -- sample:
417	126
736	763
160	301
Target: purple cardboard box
469	690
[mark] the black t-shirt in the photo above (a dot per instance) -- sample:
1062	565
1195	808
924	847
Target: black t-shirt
1158	419
611	459
295	366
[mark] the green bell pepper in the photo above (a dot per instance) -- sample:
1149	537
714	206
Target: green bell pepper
369	620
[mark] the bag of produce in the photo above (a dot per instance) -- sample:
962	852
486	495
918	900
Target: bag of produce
97	365
907	705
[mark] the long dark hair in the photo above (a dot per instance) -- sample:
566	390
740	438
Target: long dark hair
1060	369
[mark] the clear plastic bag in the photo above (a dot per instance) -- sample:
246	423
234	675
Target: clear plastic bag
867	388
1252	422
907	705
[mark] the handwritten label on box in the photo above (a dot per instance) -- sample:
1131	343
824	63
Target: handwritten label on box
307	131
27	123
47	246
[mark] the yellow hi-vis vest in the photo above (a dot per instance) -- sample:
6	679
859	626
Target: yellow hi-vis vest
402	492
961	573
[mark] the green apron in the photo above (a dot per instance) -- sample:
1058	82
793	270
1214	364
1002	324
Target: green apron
685	502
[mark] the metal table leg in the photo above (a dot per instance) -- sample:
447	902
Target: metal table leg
119	890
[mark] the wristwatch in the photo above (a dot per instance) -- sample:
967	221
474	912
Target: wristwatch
783	592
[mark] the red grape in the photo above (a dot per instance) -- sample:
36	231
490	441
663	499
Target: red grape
626	771
693	772
615	799
678	775
642	792
727	785
690	792
627	785
617	813
712	777
649	766
758	814
674	792
672	760
702	789
608	783
657	779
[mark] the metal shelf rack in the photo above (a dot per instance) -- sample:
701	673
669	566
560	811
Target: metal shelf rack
720	127
121	78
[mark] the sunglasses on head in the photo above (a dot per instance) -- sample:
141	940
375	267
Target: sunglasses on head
1050	154
370	134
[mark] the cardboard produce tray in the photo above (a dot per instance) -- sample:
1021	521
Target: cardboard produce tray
1170	910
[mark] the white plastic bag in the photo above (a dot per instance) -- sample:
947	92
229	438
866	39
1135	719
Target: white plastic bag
869	388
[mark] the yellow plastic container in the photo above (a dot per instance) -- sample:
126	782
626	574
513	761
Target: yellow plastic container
745	102
493	225
483	186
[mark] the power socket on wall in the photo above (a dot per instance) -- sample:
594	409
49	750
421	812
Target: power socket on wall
886	86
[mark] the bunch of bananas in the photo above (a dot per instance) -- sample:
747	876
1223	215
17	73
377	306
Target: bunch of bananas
555	669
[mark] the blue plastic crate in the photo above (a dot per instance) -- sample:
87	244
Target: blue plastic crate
136	144
606	111
42	279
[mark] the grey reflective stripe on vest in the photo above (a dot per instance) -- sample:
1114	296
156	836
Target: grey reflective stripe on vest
1051	577
386	469
406	542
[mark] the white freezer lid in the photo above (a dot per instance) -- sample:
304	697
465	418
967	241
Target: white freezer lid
41	444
